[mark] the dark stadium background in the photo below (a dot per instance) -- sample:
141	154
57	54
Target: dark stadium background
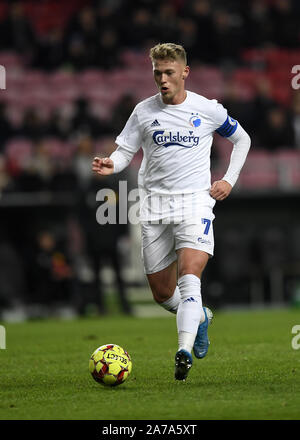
74	72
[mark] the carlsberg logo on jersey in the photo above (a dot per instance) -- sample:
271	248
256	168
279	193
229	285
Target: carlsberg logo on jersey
169	138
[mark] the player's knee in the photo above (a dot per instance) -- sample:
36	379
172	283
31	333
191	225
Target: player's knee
195	267
161	293
162	285
190	269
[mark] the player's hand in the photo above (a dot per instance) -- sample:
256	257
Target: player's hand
220	189
103	167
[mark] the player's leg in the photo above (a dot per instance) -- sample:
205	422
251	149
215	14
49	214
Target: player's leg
194	246
164	287
191	270
160	264
191	263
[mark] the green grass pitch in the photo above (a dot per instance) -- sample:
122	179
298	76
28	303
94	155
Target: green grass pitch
250	372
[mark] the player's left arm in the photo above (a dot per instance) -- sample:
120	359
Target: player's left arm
221	189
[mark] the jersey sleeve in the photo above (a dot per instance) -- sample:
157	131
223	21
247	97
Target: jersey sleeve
131	136
242	142
225	125
129	142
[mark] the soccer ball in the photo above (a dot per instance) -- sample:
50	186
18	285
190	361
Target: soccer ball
110	365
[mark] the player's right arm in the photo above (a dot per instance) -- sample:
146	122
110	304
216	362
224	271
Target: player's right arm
128	141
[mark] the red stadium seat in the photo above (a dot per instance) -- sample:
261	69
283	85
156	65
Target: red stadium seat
103	145
281	88
207	74
58	149
50	14
277	58
15	114
32	78
90	77
254	56
101	109
259	171
288	163
206	81
294	57
63	89
18	152
11	59
62	79
139	59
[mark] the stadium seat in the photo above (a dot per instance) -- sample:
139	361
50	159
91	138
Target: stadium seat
63	89
18	152
45	16
259	171
276	58
245	81
280	80
58	149
254	57
11	60
288	164
247	77
294	57
207	74
62	79
101	109
206	81
32	78
132	57
91	77
15	114
103	145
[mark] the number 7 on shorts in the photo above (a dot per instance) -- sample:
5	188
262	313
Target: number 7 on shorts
207	223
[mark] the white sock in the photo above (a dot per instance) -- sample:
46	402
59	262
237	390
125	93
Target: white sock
190	311
186	341
172	303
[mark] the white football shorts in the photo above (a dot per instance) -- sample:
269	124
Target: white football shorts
160	241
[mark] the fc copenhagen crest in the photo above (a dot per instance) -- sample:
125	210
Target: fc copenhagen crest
195	121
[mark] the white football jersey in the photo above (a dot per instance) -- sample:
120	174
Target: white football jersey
176	142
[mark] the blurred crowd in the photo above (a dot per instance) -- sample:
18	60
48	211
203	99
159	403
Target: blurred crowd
75	136
96	35
43	261
212	30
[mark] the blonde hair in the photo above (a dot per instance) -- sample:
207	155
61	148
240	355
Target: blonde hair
170	51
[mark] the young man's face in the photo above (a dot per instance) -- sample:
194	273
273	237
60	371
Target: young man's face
169	76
